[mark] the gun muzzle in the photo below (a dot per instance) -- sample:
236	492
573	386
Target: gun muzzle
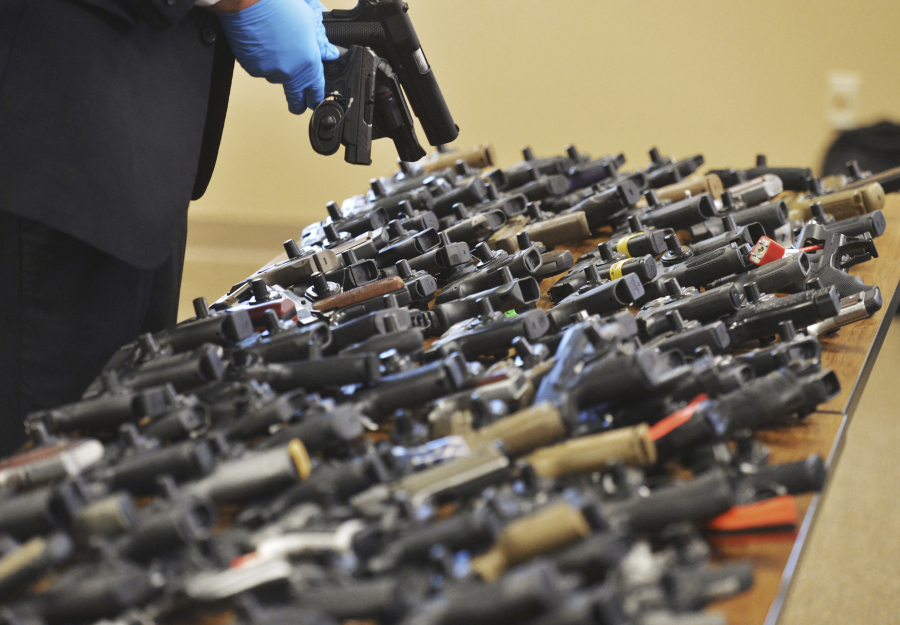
603	299
682	214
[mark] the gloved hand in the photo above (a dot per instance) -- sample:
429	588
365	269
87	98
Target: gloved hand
328	51
284	42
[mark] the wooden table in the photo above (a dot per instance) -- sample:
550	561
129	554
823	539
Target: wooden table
851	352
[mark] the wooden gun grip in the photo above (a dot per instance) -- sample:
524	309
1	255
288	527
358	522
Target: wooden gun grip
360	294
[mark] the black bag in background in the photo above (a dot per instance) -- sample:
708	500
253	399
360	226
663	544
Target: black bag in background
876	148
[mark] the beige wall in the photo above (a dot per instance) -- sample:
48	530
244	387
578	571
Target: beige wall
725	78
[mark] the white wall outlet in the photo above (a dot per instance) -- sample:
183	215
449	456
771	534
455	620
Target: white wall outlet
844	99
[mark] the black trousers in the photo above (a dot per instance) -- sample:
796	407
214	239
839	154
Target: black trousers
65	308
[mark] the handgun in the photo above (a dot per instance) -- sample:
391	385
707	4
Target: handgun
688	336
607	204
492	332
532	168
639	240
299	267
700	270
793	178
137	472
753	192
26	563
319	374
889	179
771	216
411	388
50	462
732	233
599	299
41	510
488	271
834	248
663	171
445	482
840	204
480	157
220	328
363	102
710	183
167	526
254	475
680	214
705	306
761	318
384	26
591	453
105	412
854	308
550	528
609	268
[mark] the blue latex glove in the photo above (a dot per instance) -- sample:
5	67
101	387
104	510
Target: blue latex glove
284	42
328	51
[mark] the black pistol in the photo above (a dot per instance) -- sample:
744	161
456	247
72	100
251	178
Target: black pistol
363	102
384	26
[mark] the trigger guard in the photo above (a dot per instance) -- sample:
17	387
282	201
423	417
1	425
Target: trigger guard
326	127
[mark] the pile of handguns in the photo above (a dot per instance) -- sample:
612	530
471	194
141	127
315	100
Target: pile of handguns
393	425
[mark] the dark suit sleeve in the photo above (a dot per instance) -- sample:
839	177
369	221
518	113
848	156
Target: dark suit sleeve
158	14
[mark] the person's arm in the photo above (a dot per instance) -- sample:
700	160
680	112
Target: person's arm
282	41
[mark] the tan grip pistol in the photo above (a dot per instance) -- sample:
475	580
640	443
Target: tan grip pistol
631	445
